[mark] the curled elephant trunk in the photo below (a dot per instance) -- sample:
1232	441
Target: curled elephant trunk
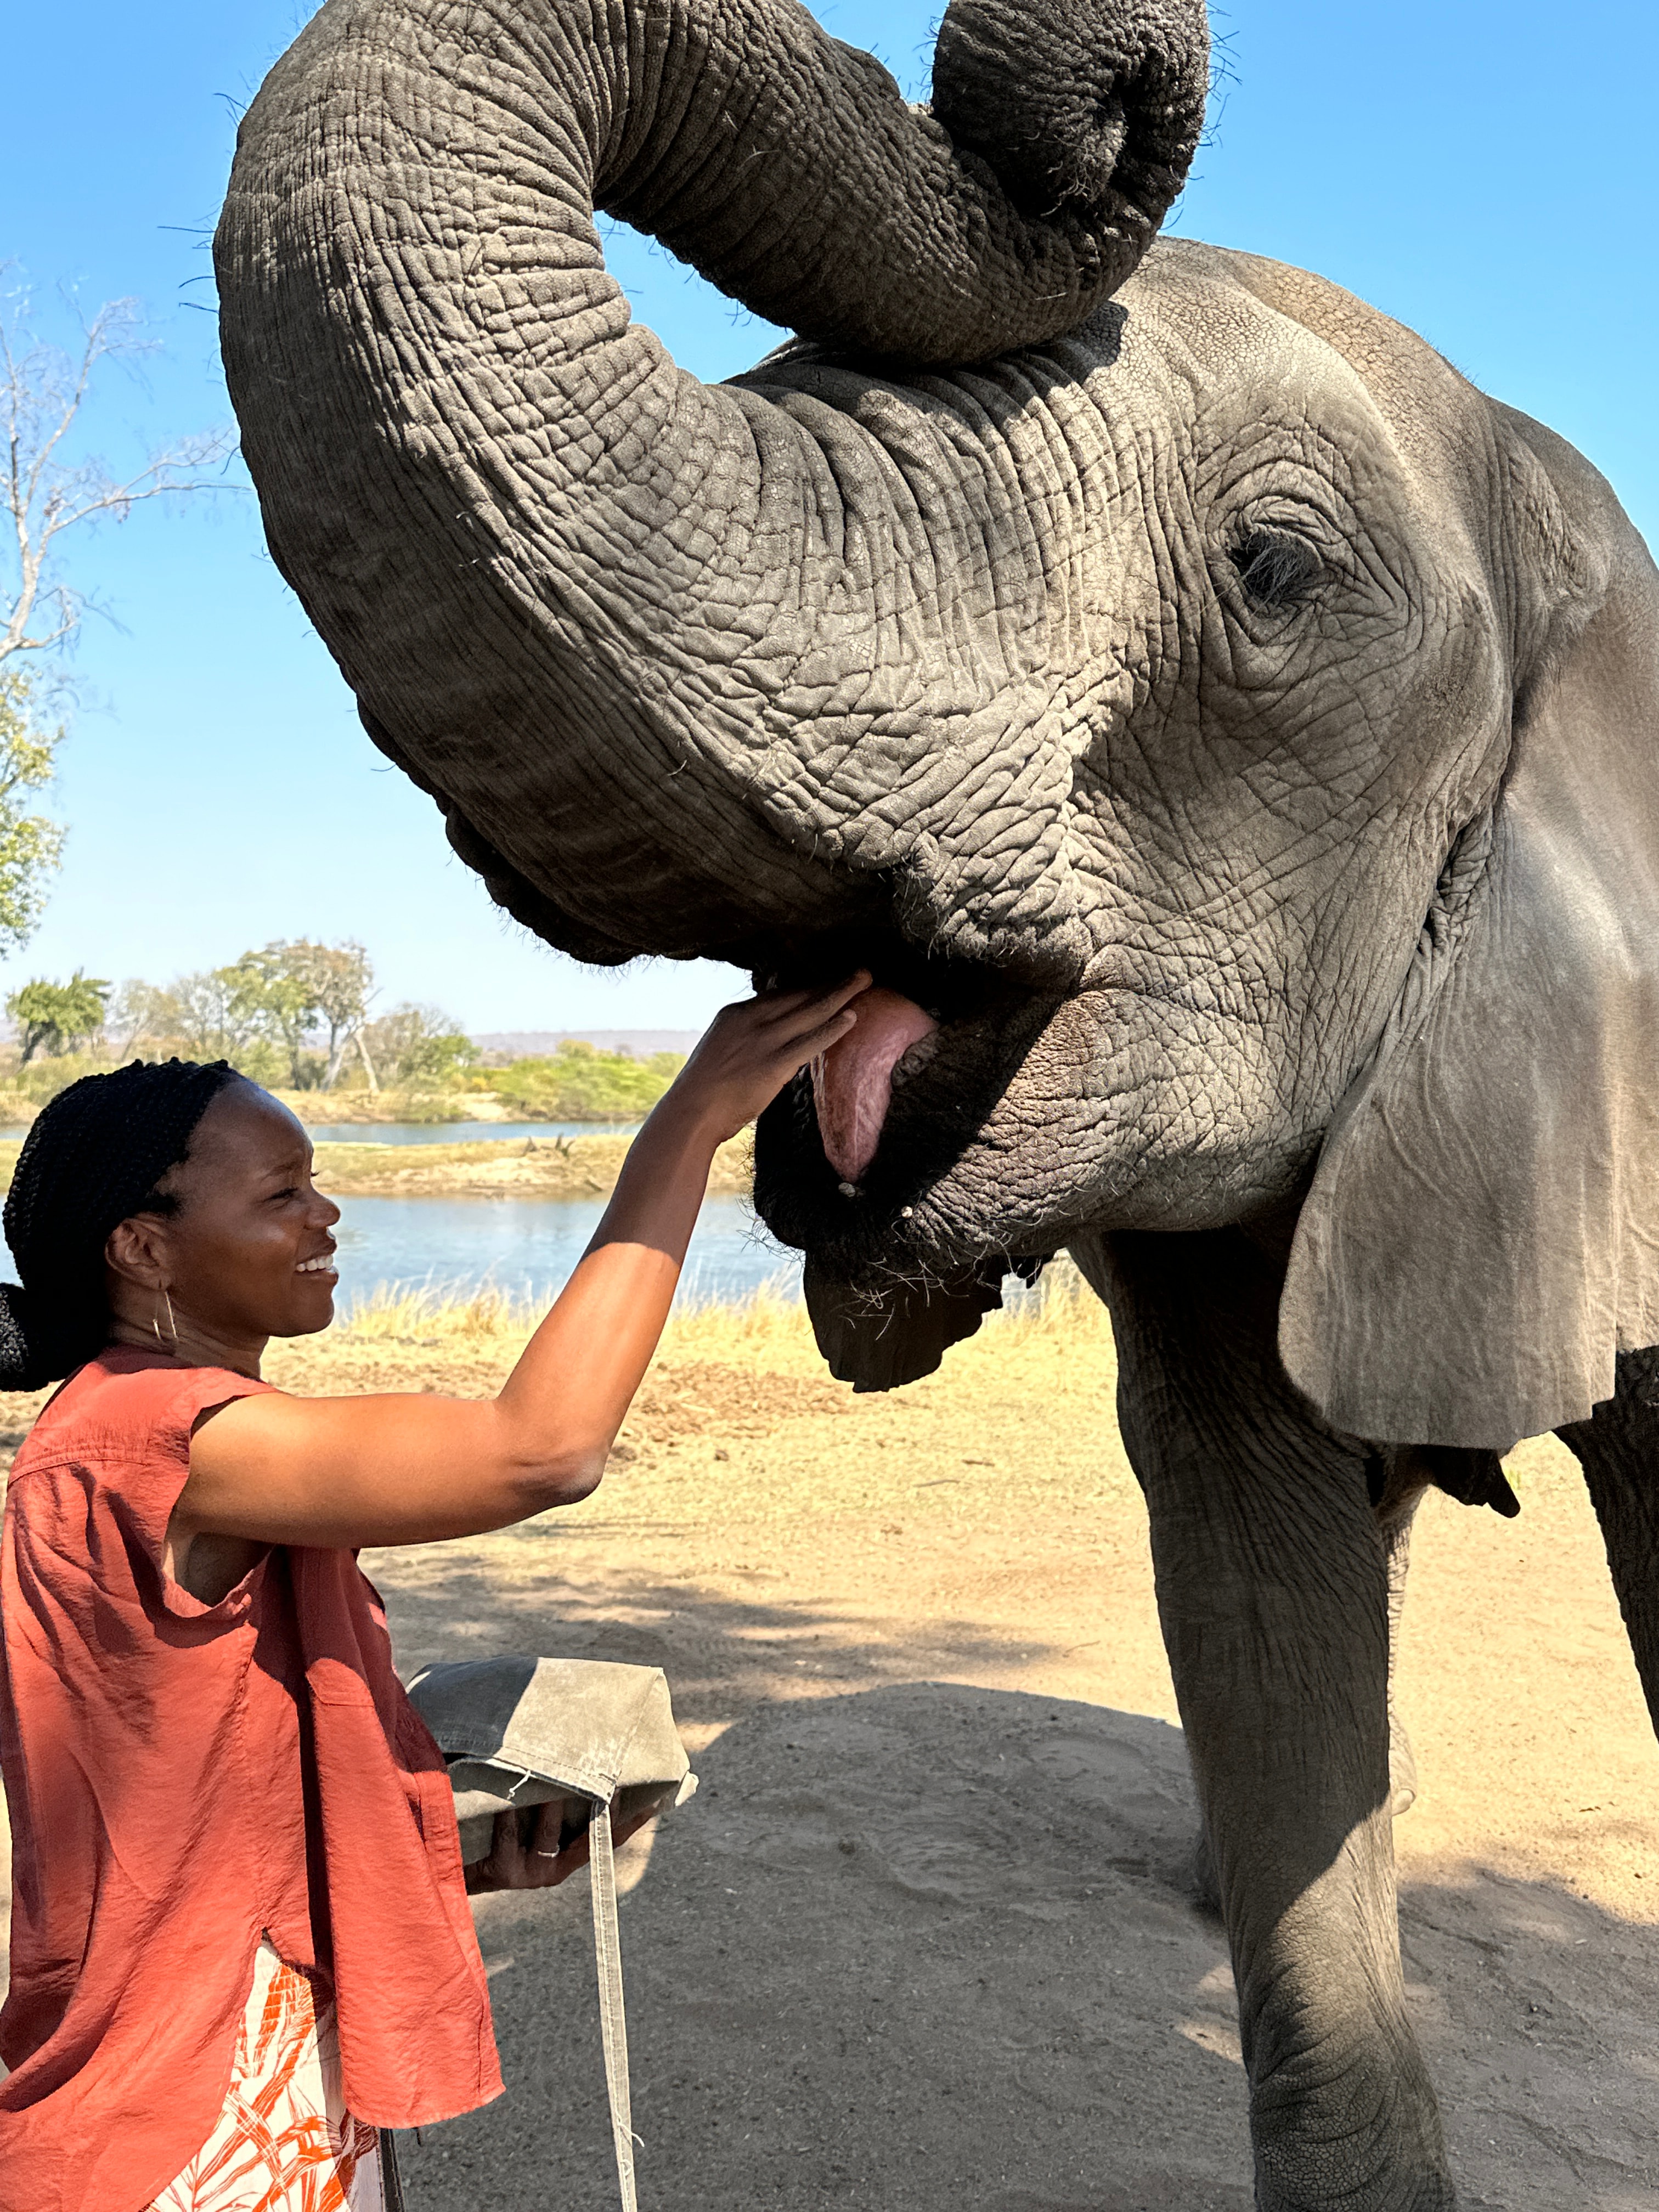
676	661
858	221
1098	119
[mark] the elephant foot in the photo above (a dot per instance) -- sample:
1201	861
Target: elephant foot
1436	2194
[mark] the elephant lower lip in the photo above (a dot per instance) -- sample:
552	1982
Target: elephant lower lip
852	1082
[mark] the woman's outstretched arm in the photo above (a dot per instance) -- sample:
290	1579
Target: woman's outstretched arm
405	1468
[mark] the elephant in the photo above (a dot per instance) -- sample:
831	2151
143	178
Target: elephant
1226	736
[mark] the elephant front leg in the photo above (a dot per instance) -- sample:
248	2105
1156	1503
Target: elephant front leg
1619	1450
1394	1516
1272	1587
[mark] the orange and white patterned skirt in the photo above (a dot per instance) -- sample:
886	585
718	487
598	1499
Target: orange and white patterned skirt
285	2142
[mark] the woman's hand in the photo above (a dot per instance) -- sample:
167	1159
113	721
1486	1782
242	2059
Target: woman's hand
542	1862
750	1050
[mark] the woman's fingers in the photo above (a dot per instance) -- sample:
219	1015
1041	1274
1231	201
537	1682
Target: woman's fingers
542	1862
754	1049
554	1861
810	1009
782	1013
813	1042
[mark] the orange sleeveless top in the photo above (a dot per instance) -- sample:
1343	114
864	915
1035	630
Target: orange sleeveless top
182	1778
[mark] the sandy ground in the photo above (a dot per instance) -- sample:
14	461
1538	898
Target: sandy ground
924	1937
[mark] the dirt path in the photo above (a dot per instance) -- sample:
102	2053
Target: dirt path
924	1938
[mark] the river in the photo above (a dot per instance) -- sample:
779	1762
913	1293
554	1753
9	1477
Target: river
530	1245
525	1246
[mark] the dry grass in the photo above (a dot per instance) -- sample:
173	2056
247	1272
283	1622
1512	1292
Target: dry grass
321	1107
739	1420
435	1314
770	1324
1053	1345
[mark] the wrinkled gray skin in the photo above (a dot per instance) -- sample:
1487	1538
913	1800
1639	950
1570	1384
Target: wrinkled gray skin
1239	730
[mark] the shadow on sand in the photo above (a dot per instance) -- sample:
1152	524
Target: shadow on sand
922	1946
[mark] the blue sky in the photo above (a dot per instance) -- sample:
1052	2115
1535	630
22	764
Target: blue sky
1473	168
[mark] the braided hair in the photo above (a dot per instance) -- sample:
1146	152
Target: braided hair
94	1157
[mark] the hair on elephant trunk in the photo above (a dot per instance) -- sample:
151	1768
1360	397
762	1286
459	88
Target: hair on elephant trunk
1105	126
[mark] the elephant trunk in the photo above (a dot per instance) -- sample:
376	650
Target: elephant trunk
589	603
788	169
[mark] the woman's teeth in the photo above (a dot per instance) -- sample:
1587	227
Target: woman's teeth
324	1264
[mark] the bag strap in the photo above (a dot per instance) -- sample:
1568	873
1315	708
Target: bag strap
613	2025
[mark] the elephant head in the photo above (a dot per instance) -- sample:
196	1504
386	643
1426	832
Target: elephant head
1227	737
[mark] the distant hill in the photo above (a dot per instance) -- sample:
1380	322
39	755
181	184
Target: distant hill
532	1044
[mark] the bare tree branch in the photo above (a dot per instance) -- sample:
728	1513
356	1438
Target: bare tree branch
48	488
44	493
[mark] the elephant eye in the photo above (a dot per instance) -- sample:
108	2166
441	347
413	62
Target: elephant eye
1275	567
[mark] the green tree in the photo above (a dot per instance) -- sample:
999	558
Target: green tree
286	988
338	980
294	992
221	1012
579	1083
31	844
59	1016
415	1048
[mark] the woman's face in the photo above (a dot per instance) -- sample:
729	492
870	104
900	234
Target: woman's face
249	1252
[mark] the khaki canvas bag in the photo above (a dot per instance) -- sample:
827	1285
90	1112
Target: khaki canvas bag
516	1732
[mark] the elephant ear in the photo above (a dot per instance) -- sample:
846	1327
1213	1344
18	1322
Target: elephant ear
1482	1236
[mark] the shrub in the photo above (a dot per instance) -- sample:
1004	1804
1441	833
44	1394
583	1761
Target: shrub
579	1083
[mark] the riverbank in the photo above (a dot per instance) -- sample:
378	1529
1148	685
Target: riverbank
317	1109
508	1167
520	1166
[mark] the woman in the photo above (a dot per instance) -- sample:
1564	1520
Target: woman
240	1939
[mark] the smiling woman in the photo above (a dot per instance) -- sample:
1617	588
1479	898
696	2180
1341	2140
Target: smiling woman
241	1946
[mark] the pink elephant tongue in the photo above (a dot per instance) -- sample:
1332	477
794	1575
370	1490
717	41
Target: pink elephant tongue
852	1082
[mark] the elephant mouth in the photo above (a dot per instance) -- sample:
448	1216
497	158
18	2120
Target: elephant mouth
852	1082
847	1157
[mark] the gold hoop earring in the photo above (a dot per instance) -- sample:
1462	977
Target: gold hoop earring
173	1325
